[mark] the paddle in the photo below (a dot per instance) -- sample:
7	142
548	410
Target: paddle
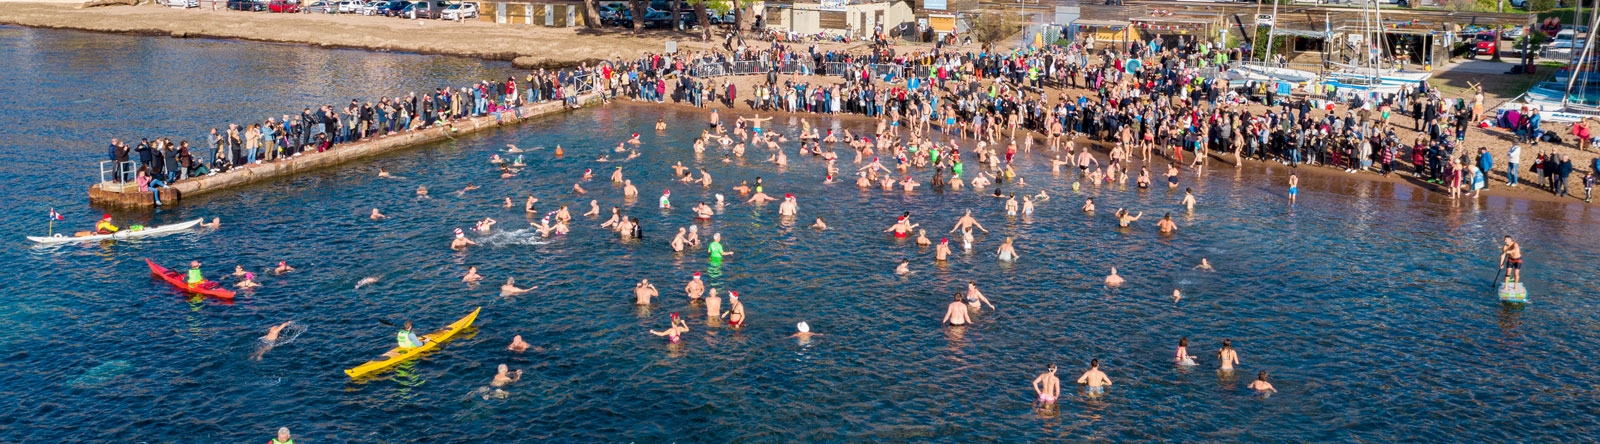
1498	274
391	324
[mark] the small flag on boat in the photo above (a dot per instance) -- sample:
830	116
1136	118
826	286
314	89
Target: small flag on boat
55	216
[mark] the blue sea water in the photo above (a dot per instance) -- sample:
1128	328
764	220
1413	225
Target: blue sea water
1371	304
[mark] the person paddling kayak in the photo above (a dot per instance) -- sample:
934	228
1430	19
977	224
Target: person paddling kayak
104	226
407	339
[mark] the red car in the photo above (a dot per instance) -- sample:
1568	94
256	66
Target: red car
290	6
1485	43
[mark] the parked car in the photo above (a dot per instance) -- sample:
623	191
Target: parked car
460	11
1514	33
654	18
1563	44
290	6
423	9
374	8
351	6
182	4
1485	43
394	8
319	7
246	5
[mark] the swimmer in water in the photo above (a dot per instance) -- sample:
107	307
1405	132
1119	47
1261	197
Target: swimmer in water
472	275
1260	385
517	344
735	313
1094	380
464	191
513	149
967	221
527	206
1088	205
504	377
510	288
216	222
270	340
695	288
804	334
1227	357
460	243
1007	252
679	241
966	239
975	299
1166	224
904	268
1113	280
675	332
1125	217
643	291
1176	296
1204	266
1188	199
819	225
955	314
594	208
616	176
422	191
789	207
1041	197
238	271
578	189
1047	386
922	238
283	268
1183	357
249	281
942	251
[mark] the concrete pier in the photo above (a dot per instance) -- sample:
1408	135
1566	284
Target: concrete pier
128	196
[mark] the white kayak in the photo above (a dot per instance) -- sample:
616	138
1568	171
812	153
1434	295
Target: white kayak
124	234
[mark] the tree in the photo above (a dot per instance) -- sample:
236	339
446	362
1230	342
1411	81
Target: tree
738	14
591	14
701	16
991	27
638	7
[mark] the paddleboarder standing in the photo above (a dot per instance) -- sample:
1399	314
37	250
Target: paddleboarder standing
1511	260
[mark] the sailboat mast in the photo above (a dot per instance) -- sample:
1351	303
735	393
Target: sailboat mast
1577	68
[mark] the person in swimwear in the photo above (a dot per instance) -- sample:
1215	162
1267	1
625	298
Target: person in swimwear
743	188
504	377
1007	252
904	268
679	241
1227	356
967	221
510	288
1095	380
1125	217
760	198
643	291
819	224
1260	385
942	251
1144	178
1088	205
422	192
1204	266
1166	224
804	334
922	238
955	314
695	288
675	332
1511	260
1183	357
1011	205
460	243
1188	199
789	207
902	227
249	281
975	299
1047	386
472	275
594	208
1294	187
1113	280
283	268
735	313
1172	176
517	344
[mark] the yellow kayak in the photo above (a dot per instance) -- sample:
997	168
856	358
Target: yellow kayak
398	355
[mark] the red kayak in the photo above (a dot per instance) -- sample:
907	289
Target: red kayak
208	288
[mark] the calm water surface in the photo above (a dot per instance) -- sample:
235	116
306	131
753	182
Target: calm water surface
1370	304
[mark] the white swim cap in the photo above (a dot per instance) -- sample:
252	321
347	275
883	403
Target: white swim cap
803	327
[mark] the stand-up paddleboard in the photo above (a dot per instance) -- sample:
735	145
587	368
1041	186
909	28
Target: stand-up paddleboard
1513	292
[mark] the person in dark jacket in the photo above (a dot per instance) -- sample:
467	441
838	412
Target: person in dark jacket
1563	171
